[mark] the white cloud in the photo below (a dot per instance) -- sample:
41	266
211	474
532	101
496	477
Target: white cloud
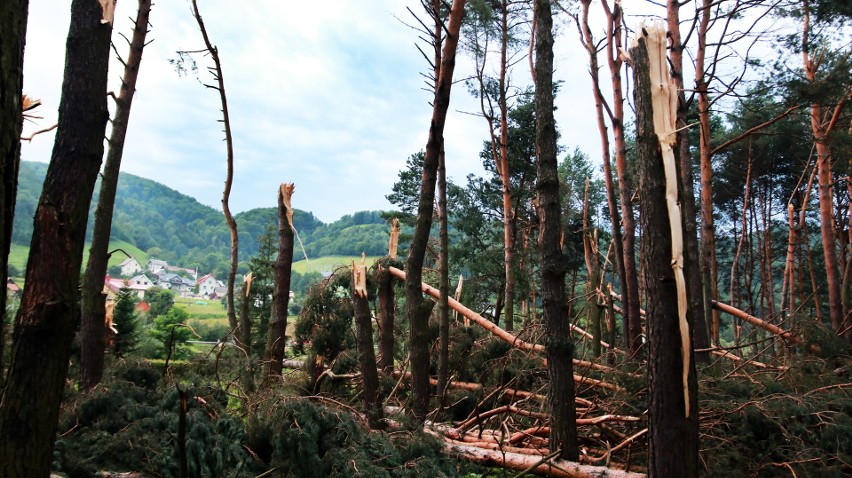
328	96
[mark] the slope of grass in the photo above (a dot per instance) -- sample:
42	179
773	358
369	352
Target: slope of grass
328	263
18	255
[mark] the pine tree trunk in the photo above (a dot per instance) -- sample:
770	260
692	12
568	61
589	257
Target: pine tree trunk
673	432
631	336
444	283
50	308
630	285
366	354
281	293
709	266
417	309
92	328
503	165
559	347
13	24
386	320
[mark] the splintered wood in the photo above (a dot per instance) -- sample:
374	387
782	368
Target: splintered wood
359	276
664	100
394	238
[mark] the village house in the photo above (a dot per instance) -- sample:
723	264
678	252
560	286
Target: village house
167	280
156	265
130	267
207	285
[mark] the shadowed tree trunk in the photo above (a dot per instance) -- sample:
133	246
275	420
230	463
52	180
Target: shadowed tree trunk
281	293
50	309
92	328
443	237
417	309
560	349
13	24
672	413
386	319
366	353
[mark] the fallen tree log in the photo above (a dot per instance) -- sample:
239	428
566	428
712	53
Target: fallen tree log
536	464
511	339
774	329
735	358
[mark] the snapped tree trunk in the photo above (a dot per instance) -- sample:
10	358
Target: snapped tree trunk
247	367
386	318
560	349
50	309
366	353
92	325
672	409
281	293
417	309
13	24
229	178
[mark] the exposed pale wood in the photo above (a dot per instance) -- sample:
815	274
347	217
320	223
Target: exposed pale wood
394	238
664	100
516	461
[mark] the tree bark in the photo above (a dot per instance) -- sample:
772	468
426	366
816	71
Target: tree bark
417	309
673	417
366	353
92	328
50	309
13	24
281	293
560	349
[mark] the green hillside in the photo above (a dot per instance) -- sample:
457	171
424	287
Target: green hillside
153	220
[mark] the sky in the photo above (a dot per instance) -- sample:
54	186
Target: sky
328	96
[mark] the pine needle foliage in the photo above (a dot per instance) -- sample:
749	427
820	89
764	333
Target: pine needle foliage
304	439
129	423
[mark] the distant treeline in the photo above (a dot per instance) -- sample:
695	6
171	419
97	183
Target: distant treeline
177	228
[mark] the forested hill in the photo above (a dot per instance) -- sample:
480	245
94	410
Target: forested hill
177	228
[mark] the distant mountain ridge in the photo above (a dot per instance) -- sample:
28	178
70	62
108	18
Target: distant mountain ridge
177	228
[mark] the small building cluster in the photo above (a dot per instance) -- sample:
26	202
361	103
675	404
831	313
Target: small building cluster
157	273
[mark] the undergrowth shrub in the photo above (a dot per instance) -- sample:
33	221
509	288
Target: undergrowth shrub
303	439
129	423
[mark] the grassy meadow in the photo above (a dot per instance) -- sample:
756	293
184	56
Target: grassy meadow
328	263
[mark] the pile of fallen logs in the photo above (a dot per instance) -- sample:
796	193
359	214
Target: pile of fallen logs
508	427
